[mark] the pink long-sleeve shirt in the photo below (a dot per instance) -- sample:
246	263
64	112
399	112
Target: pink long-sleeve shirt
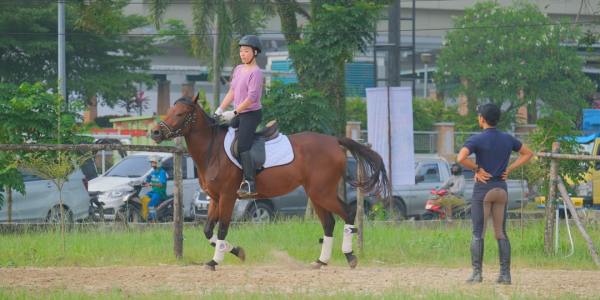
247	84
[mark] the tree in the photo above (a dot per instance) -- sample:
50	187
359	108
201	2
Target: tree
102	59
337	29
297	109
220	21
513	55
19	125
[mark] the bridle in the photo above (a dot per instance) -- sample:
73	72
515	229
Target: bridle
189	120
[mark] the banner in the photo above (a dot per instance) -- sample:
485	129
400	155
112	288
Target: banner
391	131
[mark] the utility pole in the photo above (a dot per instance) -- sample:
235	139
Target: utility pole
62	73
216	67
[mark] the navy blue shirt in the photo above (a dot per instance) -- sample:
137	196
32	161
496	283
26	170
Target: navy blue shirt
492	149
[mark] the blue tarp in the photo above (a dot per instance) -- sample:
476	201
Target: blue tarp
591	120
587	139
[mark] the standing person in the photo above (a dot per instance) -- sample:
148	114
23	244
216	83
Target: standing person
492	149
245	92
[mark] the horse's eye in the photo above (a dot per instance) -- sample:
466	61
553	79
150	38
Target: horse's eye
179	115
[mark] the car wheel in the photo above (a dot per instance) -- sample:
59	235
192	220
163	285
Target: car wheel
400	209
55	215
259	212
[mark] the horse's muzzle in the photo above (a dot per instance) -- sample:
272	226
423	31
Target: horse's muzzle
156	135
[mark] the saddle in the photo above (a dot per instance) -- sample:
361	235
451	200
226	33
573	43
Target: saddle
257	150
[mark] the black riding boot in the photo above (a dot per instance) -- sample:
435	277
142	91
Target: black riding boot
476	260
504	254
248	186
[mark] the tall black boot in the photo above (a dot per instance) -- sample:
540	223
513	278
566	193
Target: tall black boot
476	260
504	254
248	186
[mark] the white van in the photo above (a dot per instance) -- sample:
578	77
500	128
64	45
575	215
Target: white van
112	187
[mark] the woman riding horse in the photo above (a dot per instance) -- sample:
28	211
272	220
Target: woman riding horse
318	165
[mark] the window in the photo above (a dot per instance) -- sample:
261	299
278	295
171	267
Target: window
167	164
131	166
429	171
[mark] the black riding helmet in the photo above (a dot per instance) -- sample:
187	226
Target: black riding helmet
251	41
456	169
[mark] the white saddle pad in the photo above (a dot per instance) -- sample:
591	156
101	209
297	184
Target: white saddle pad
278	150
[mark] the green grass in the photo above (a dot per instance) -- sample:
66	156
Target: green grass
436	244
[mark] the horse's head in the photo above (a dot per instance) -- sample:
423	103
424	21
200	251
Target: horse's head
179	120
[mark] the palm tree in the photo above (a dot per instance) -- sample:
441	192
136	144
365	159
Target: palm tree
216	24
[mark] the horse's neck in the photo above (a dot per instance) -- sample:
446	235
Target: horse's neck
198	142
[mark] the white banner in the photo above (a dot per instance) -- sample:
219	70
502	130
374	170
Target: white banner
392	131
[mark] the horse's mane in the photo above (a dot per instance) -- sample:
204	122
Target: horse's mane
213	124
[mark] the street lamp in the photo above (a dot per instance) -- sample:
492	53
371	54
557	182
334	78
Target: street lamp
426	59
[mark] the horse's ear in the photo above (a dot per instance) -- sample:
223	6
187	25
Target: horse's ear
195	99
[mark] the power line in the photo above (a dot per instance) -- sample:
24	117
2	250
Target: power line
281	32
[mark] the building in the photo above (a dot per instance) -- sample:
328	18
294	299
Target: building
176	70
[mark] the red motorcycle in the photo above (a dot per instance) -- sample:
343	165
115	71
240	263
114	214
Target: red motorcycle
433	209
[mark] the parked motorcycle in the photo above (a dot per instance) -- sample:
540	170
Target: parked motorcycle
435	210
131	210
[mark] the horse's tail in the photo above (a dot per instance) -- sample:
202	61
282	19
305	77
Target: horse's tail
374	178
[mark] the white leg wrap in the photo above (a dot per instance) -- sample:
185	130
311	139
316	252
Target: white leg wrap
347	240
221	248
213	240
326	249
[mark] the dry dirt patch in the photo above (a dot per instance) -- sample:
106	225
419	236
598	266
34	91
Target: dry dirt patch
293	277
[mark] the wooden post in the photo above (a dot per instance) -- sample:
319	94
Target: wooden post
586	236
360	212
550	209
178	203
308	212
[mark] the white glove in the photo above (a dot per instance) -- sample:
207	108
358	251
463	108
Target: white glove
228	115
219	111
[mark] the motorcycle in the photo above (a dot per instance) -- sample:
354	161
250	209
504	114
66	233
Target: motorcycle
433	209
131	209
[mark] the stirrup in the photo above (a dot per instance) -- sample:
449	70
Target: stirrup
245	191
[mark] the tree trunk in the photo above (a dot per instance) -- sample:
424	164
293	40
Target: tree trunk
550	209
9	200
339	93
286	9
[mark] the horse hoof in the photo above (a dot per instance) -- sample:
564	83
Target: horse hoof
352	260
210	265
317	264
239	252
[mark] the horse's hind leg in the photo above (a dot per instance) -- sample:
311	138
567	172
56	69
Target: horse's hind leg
347	214
328	223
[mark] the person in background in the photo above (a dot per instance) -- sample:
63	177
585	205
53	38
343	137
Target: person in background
157	180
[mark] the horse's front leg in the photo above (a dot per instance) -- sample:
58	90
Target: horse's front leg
225	208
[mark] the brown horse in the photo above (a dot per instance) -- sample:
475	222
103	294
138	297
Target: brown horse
319	164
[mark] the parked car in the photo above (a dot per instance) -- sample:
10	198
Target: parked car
41	201
265	210
117	183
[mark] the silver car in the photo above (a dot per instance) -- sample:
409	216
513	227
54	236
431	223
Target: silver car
113	187
41	201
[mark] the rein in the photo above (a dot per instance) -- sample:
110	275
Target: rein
190	120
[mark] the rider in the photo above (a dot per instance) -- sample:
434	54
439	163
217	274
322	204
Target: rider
245	92
157	179
456	188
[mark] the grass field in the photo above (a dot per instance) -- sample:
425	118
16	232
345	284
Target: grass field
438	244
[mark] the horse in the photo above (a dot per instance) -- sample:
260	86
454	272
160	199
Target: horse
318	165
